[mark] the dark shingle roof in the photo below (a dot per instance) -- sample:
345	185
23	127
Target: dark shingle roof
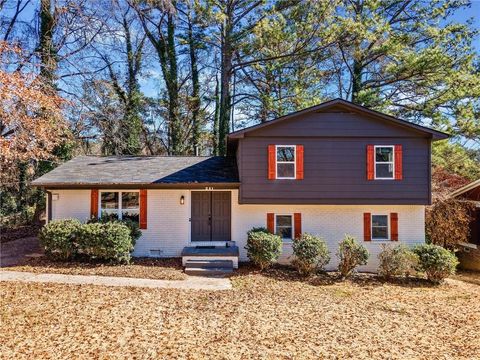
132	170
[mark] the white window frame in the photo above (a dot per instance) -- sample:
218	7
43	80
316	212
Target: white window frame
286	240
375	162
388	227
286	162
119	209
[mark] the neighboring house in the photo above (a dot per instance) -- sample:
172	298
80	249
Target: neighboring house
332	169
470	256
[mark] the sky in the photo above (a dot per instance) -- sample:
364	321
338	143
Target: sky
473	12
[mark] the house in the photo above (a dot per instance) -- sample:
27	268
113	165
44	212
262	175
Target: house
332	169
470	256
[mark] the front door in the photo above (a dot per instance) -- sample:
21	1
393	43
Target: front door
211	214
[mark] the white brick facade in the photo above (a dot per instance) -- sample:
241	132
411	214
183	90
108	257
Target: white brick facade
169	226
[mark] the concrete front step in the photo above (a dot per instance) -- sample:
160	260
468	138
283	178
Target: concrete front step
210	271
209	264
209	267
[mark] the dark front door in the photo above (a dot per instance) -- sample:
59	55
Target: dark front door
211	214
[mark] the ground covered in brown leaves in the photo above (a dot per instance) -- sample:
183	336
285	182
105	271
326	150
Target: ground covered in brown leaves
273	315
18	232
146	268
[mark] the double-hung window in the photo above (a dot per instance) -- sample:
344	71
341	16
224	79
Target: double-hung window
284	226
380	225
286	162
120	205
384	162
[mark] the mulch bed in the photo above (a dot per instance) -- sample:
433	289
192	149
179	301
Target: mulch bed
269	315
146	268
19	232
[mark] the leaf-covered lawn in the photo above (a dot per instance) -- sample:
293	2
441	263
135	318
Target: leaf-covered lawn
147	268
273	315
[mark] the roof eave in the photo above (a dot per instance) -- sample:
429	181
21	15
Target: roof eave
465	188
192	185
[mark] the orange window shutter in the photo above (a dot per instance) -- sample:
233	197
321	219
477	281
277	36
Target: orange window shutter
299	155
367	227
271	222
370	162
398	162
94	203
297	220
394	226
272	162
143	209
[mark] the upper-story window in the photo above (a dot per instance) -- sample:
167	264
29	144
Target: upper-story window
120	204
384	162
286	162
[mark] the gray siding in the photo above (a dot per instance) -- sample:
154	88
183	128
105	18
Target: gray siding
336	124
334	162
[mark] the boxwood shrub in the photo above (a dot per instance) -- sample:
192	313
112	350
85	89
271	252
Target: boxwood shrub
396	261
351	255
135	231
310	254
58	238
263	247
436	261
109	241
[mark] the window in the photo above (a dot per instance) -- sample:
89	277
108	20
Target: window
384	166
126	208
284	226
380	227
285	162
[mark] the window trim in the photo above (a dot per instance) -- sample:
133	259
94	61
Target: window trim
286	162
120	208
388	238
286	240
375	162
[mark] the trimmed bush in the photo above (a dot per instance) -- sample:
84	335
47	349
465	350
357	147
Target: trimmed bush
396	261
57	238
263	247
135	231
351	255
311	254
436	261
109	241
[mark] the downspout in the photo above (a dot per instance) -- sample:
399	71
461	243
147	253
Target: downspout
49	206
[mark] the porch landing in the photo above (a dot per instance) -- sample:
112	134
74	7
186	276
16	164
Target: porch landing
210	251
210	260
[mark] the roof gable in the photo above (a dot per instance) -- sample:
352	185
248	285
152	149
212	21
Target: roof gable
343	106
469	191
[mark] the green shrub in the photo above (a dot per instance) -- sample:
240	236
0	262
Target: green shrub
311	253
57	238
263	248
351	254
436	261
396	261
105	241
135	231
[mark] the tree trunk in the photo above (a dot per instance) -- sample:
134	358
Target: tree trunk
356	79
216	117
46	47
195	100
225	82
132	124
176	141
